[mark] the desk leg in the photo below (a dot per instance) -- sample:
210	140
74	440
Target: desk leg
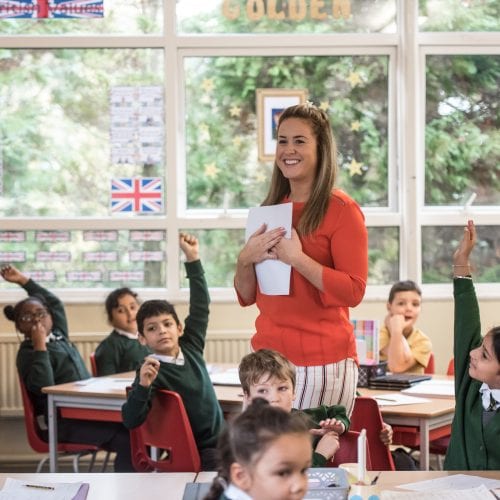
52	416
424	444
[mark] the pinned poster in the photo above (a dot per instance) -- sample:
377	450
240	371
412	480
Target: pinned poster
52	9
273	276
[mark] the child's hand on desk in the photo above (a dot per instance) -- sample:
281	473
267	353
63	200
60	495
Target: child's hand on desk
149	371
328	445
386	434
329	425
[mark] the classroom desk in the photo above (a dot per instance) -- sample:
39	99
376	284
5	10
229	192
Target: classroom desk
113	486
426	416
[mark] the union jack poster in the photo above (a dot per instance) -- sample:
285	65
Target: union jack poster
137	195
57	9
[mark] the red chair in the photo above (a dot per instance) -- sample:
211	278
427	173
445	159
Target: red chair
451	367
348	451
36	442
430	368
93	365
366	415
166	428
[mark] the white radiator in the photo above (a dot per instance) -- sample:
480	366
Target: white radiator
221	347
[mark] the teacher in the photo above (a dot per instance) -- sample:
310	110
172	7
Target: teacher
328	255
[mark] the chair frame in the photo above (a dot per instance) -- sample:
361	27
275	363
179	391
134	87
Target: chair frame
348	451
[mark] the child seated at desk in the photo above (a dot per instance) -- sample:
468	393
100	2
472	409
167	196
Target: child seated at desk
47	357
405	347
121	350
268	374
177	361
475	432
263	454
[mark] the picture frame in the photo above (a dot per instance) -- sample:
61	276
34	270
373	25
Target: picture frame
270	103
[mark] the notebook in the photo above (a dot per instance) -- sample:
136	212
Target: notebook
397	381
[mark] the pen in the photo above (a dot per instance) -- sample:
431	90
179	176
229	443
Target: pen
39	486
384	399
375	479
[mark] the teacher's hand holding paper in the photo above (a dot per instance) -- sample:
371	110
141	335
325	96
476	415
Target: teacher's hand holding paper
261	244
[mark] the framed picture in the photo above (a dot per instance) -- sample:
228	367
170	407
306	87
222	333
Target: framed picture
270	104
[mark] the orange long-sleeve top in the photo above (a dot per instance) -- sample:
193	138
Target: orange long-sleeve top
308	326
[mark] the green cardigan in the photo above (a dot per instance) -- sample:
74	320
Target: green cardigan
60	363
318	414
190	380
472	446
118	353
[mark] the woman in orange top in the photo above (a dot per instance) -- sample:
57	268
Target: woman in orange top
328	253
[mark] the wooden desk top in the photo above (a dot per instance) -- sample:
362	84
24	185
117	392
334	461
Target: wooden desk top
112	486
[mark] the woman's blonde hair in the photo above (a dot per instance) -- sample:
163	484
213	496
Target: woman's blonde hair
317	204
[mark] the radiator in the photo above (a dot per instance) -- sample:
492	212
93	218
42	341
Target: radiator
221	347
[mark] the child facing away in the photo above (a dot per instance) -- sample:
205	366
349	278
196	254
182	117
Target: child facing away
121	350
264	454
47	357
475	434
268	374
177	361
402	344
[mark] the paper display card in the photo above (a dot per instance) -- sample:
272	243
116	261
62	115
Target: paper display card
273	276
367	330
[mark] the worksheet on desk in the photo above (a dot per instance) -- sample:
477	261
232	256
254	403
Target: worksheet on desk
452	482
37	490
396	398
478	493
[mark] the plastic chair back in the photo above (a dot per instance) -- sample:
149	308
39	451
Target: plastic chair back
430	368
366	415
451	367
33	432
93	365
168	429
348	451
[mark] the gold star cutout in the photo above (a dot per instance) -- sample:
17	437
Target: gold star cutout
260	177
324	105
203	132
211	170
237	141
354	79
355	125
355	168
235	111
207	85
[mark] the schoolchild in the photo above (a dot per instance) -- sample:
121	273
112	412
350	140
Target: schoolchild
475	432
121	350
47	357
177	361
405	347
268	374
264	454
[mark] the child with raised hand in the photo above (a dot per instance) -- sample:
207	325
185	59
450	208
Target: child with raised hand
47	357
405	347
121	350
264	454
475	435
177	361
268	374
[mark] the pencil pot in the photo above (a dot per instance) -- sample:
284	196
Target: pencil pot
366	372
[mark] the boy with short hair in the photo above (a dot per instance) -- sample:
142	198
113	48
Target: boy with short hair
269	375
177	362
405	347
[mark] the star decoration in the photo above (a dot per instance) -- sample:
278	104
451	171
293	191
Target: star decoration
207	85
354	79
355	168
237	141
324	105
235	111
260	177
211	170
355	125
203	132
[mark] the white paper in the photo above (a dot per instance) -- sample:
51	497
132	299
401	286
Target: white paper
225	377
395	398
362	455
273	276
17	489
435	388
478	493
453	482
105	383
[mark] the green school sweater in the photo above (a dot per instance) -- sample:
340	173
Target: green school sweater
60	363
118	353
190	380
472	446
318	414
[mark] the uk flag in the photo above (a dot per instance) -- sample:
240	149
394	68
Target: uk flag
137	195
51	8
